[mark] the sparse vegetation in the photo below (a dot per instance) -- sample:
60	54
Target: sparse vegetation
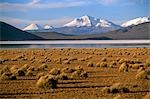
47	82
55	71
123	67
7	76
143	74
90	64
115	88
76	79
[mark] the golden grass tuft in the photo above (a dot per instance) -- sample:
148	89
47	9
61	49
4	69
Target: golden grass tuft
7	76
118	97
67	70
143	74
47	82
42	67
55	71
90	64
147	96
5	69
103	64
104	59
123	67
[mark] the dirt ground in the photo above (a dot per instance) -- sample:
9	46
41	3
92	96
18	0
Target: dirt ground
91	87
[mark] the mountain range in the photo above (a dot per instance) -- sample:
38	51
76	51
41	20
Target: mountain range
133	29
86	25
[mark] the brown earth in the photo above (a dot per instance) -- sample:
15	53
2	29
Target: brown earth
80	88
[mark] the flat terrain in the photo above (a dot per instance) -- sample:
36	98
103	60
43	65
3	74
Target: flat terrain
91	87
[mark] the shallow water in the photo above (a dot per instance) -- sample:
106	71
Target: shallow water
76	44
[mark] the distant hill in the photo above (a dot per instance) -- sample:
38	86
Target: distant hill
8	33
140	31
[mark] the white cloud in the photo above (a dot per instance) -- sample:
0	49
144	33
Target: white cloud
54	22
34	4
107	2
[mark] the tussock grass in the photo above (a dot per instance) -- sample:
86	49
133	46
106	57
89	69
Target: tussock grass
67	70
47	82
136	66
40	75
63	76
55	71
147	96
123	67
118	97
104	59
5	69
115	88
103	64
42	67
90	64
144	74
29	73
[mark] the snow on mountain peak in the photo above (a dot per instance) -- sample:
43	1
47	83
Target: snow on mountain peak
136	21
88	21
32	27
78	22
48	27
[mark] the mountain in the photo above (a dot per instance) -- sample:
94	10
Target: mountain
79	26
87	25
136	32
48	27
8	33
32	26
88	21
136	21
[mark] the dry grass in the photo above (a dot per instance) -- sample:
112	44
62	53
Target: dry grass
123	67
47	82
39	70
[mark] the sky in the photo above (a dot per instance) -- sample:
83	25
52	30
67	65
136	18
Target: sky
21	13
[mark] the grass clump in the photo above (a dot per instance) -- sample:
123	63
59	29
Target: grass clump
90	64
103	64
123	67
115	88
55	71
7	76
21	72
147	96
104	59
5	69
63	76
39	75
143	74
67	70
29	73
47	82
141	69
118	97
42	67
136	66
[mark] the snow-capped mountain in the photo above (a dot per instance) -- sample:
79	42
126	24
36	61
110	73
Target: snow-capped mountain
88	21
48	27
32	26
136	21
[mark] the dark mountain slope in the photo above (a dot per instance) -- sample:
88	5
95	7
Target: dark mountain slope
8	33
141	31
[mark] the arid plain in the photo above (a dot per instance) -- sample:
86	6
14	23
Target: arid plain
75	73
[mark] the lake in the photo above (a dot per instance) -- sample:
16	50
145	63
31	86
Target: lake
76	44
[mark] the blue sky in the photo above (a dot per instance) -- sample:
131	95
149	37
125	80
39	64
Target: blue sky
59	12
